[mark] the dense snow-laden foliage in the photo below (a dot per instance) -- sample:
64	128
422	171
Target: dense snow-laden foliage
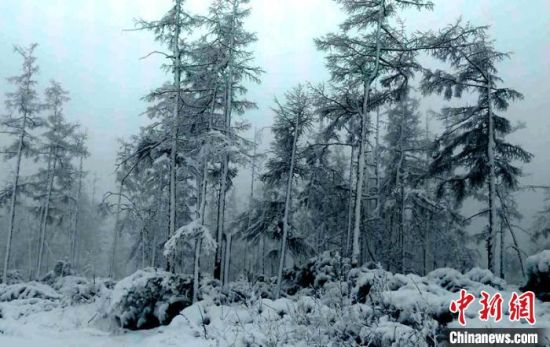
149	298
364	306
188	233
13	277
325	303
78	289
60	269
28	290
453	280
538	275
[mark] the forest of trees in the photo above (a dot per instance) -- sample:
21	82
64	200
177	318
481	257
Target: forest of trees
355	166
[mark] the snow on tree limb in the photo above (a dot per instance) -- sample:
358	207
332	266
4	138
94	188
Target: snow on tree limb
187	233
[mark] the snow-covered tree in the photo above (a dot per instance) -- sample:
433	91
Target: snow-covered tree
81	153
404	171
23	106
56	178
475	136
368	49
293	117
227	49
169	30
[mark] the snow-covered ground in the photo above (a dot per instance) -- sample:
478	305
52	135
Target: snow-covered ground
264	324
79	326
370	306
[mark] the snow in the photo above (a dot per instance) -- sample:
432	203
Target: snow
80	325
27	291
398	310
538	263
187	233
138	279
149	298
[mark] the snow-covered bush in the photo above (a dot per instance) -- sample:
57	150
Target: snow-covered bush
363	279
485	277
76	289
60	269
149	298
315	273
13	277
28	290
263	286
538	275
389	333
239	291
450	279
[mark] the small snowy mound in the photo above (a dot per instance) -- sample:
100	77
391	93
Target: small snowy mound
30	290
240	291
538	275
76	289
150	298
485	277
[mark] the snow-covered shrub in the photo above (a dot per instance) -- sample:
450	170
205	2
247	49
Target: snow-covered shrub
538	275
149	298
363	280
485	277
76	289
240	291
14	276
28	290
60	269
315	273
263	286
389	333
210	290
450	279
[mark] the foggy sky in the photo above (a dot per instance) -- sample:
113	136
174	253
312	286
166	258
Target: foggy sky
83	45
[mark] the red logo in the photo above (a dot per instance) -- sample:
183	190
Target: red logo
461	305
491	307
520	306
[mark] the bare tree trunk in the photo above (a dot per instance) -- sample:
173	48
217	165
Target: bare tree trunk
220	219
174	144
427	230
401	174
112	266
51	176
350	202
143	242
282	255
492	184
159	223
356	252
377	162
14	199
402	227
262	255
196	267
227	258
75	234
252	175
502	238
